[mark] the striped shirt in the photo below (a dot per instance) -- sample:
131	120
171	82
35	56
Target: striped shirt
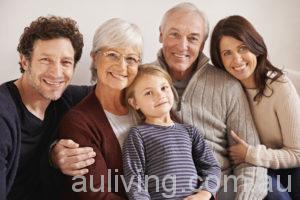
168	162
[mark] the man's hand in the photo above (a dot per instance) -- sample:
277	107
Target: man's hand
70	159
238	151
201	195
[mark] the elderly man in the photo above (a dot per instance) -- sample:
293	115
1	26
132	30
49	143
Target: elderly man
208	98
32	105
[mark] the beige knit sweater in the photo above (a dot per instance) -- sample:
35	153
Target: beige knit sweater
277	119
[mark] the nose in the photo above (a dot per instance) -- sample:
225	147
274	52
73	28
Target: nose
183	43
56	69
123	63
160	94
237	58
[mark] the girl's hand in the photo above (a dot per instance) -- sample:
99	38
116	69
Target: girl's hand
238	151
201	195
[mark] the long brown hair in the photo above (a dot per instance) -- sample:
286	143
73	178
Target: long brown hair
241	29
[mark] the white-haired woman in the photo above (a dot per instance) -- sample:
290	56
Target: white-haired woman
102	120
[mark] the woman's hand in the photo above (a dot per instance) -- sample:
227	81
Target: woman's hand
238	151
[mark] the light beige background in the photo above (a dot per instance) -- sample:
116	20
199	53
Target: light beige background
278	22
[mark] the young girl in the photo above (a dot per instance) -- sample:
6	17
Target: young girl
163	159
239	49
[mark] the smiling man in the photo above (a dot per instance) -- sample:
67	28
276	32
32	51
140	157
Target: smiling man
32	105
209	99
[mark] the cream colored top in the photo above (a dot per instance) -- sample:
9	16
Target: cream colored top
277	119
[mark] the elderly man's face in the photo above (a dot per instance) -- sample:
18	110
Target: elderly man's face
182	37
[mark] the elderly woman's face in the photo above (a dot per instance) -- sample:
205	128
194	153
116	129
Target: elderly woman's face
116	68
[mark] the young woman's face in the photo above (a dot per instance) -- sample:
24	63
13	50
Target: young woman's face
238	60
153	96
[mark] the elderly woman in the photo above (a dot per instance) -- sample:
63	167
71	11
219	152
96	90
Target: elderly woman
102	120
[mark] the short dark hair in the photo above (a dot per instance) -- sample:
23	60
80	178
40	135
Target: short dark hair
241	29
47	28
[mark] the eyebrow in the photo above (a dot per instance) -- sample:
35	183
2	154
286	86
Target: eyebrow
65	57
193	34
173	29
148	88
239	46
130	54
163	83
198	34
225	50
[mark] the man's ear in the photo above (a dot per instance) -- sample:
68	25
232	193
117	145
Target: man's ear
160	35
25	62
132	102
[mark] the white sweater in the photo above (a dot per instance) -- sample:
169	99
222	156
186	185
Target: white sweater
277	119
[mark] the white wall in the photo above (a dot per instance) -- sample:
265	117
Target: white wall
278	22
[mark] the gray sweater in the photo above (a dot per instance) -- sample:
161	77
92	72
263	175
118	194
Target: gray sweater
215	103
177	154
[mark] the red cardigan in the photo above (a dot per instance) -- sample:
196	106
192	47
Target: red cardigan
87	125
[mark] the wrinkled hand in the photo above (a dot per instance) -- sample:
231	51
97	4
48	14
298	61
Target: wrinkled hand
238	151
201	195
70	159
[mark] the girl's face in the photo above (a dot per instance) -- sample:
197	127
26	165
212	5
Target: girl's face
153	96
238	60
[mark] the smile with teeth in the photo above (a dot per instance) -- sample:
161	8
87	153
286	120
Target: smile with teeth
53	83
180	55
240	67
118	76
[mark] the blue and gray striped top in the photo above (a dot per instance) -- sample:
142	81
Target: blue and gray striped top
168	162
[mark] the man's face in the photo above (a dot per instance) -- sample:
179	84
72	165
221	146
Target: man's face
51	67
182	37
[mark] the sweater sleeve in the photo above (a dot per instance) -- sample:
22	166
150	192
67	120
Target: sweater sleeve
134	166
74	126
286	106
252	180
207	166
3	156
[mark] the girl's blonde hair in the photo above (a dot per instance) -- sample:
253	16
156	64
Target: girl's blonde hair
146	69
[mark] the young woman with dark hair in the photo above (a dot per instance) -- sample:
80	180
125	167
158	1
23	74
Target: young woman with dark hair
240	50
